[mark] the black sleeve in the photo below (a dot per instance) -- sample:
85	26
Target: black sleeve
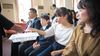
6	24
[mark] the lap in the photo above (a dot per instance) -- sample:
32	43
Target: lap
54	46
46	52
23	47
28	50
36	51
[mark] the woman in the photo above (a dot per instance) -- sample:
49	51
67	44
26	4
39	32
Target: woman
86	37
62	31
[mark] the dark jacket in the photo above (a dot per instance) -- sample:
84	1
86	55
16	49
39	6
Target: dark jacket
35	24
4	24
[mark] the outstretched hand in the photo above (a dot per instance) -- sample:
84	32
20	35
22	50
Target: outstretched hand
31	30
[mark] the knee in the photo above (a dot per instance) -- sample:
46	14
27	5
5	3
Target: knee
26	52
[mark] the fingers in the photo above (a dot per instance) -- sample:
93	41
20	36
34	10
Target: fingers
30	30
53	53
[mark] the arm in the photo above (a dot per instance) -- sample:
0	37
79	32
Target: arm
17	28
7	24
41	32
47	33
54	53
70	50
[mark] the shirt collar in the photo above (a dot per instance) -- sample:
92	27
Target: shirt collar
44	27
33	19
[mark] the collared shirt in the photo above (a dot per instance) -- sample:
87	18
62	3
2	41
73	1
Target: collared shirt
44	27
30	23
32	19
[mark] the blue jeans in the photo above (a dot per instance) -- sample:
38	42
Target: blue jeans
54	46
34	51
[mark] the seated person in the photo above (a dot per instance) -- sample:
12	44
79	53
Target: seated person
41	42
62	30
86	37
34	22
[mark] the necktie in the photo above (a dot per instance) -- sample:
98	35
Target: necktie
29	24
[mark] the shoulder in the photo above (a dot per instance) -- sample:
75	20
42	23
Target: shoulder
78	28
54	25
37	19
77	31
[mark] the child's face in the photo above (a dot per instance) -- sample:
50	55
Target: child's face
61	19
44	22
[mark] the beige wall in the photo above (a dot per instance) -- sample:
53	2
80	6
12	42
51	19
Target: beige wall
10	13
69	4
48	3
46	6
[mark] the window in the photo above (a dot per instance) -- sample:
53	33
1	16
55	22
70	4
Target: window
23	9
75	4
60	3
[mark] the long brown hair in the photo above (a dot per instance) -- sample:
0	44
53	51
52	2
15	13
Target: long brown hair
93	9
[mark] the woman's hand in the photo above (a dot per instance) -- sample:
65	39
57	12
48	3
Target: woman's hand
54	53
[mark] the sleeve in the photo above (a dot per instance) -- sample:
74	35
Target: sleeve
50	31
96	50
37	24
7	24
70	49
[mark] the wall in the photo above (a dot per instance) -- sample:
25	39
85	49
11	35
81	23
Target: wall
46	6
69	4
9	13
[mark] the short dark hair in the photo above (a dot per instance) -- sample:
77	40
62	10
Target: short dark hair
46	17
73	13
62	11
94	14
33	9
48	13
54	5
